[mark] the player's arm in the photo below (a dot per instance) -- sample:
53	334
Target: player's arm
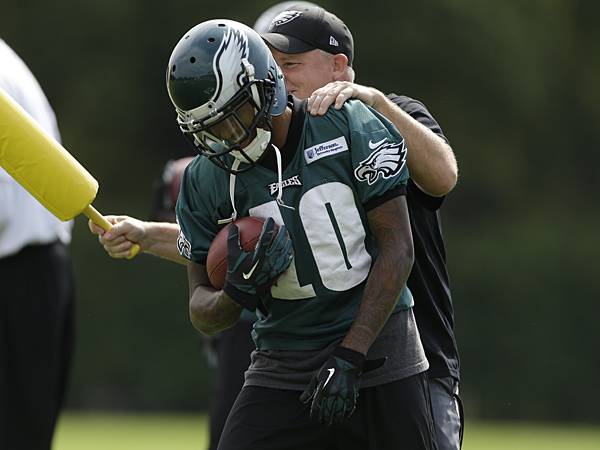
389	224
211	310
431	161
249	277
157	238
334	388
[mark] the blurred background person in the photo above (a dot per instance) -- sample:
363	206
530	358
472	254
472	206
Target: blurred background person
37	291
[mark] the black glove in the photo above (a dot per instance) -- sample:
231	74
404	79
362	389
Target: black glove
334	389
251	275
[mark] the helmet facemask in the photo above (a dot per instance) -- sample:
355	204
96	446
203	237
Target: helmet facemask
225	130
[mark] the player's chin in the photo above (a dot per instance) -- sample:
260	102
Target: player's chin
248	140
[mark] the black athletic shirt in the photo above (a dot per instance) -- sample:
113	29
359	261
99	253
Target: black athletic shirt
428	280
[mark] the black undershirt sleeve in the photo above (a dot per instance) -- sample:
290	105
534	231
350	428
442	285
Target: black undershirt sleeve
388	195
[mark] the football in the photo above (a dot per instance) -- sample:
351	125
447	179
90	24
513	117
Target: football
250	229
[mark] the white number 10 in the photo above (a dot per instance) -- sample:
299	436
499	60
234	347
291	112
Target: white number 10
336	236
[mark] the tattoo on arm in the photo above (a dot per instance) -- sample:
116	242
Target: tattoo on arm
391	228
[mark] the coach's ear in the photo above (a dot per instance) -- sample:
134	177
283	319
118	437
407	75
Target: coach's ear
339	63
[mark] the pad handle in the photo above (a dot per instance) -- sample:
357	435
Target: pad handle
92	214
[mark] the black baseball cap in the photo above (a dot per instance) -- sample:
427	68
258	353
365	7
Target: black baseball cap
303	28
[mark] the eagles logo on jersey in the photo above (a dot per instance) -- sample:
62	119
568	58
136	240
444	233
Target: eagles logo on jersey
183	245
387	160
293	181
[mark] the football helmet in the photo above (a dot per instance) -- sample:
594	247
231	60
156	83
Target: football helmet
225	85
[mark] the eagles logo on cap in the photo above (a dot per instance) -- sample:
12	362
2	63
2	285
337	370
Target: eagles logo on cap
283	18
303	28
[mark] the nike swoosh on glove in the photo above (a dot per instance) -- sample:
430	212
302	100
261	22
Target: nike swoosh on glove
334	388
251	275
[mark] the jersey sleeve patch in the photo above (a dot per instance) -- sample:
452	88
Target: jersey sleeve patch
387	159
329	148
184	246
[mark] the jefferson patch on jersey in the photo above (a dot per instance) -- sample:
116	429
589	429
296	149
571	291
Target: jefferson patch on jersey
360	156
319	151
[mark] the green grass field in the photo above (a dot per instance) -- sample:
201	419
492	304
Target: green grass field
528	436
100	431
103	431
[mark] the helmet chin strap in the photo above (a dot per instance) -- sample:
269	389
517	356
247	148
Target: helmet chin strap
236	164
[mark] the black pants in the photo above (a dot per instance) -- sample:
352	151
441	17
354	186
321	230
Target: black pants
36	343
233	348
392	416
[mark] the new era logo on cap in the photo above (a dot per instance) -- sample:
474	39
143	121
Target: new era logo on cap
303	28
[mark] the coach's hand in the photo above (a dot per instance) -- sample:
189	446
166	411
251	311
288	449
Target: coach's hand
251	275
334	389
338	92
119	240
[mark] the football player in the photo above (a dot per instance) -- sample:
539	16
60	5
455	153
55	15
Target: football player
336	185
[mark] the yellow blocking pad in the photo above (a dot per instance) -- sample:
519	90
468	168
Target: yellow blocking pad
41	164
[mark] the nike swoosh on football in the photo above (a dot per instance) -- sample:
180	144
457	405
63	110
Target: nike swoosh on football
249	274
331	372
376	144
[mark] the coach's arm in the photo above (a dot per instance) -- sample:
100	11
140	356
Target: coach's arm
430	160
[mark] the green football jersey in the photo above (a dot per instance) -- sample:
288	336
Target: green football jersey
336	163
